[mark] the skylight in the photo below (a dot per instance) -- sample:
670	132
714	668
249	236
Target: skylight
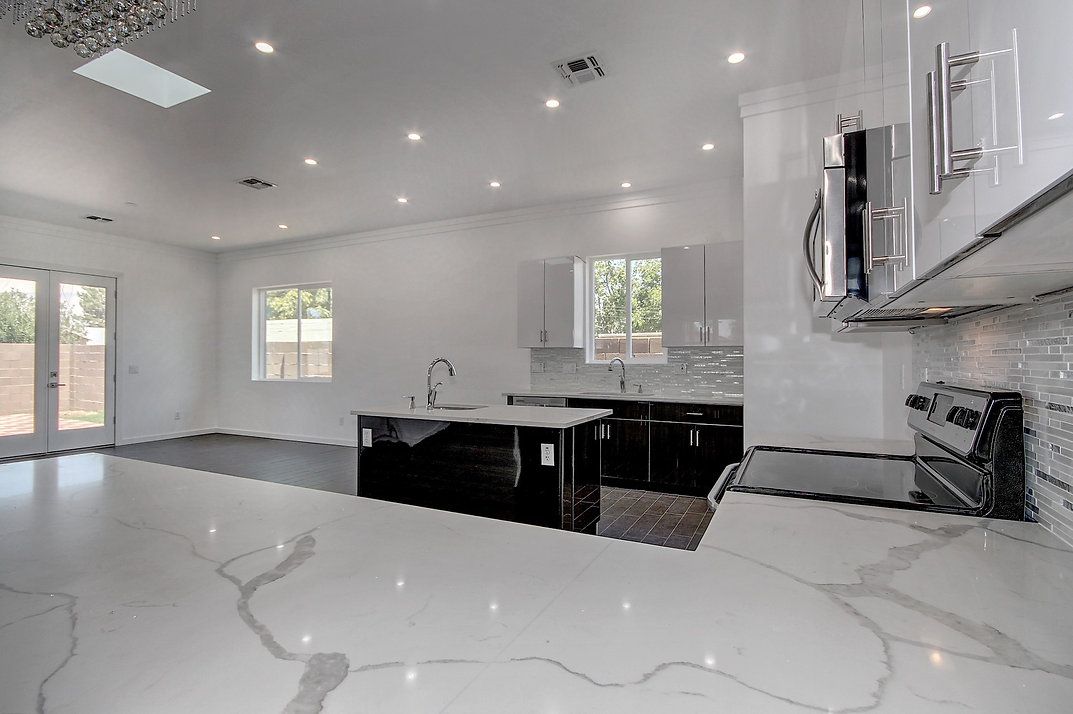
144	80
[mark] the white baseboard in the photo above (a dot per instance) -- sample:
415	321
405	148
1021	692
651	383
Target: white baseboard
285	437
163	437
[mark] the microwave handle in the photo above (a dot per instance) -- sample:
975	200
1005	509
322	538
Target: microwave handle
808	244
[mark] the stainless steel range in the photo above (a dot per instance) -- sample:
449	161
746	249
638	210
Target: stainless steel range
969	459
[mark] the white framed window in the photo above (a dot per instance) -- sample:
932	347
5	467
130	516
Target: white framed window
625	309
293	341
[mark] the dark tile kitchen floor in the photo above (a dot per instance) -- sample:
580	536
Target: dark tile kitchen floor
655	518
626	514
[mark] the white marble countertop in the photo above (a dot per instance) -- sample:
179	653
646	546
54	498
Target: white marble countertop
635	397
540	417
136	587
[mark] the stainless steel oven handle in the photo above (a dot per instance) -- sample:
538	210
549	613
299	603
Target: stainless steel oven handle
808	245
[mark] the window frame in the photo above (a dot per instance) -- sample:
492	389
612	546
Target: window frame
260	334
590	307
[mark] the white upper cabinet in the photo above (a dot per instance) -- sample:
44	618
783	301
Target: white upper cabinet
724	293
1022	99
551	303
942	124
702	295
683	296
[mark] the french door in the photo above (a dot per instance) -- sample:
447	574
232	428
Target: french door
57	361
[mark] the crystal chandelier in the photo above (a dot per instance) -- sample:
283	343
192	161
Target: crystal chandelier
91	27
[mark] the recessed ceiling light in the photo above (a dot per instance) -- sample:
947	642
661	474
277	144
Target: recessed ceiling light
494	184
922	11
264	47
626	184
216	237
311	161
1056	115
552	104
413	136
736	57
402	199
707	147
282	226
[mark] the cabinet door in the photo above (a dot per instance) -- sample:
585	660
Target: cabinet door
624	450
531	303
673	457
683	296
723	293
944	222
564	302
1027	104
715	448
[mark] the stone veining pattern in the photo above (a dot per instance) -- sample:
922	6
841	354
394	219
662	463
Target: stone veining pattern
1026	349
710	372
218	594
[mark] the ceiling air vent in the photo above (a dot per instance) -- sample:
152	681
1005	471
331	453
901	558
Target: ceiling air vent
579	70
256	183
99	219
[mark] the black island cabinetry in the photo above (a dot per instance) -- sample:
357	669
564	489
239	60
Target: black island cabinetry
544	476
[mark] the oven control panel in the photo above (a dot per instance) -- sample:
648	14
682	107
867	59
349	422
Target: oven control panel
951	416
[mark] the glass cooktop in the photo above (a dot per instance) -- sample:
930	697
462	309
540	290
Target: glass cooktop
900	481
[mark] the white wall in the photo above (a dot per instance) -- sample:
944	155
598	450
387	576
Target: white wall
804	385
166	313
404	296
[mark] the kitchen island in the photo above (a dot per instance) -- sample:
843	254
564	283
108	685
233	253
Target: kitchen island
522	464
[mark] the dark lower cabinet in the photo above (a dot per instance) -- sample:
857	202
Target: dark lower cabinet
688	458
624	451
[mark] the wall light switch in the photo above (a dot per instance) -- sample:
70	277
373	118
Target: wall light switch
570	368
366	437
536	368
547	454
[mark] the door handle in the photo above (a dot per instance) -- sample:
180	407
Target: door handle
901	231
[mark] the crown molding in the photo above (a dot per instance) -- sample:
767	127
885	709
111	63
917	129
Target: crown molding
51	230
812	91
640	199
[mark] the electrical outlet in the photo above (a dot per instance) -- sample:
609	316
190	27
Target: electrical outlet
536	368
366	437
547	454
133	369
178	416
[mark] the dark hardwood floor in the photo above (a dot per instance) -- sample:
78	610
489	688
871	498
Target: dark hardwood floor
627	514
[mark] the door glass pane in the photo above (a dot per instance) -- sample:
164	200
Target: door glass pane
609	309
646	308
17	355
281	334
317	333
83	341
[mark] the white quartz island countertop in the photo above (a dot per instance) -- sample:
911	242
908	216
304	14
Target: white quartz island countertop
540	417
134	587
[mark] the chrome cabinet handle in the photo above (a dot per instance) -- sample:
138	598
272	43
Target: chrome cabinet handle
897	214
808	245
691	437
698	437
54	385
694	413
940	89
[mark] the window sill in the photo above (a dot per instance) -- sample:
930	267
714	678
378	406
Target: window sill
304	380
